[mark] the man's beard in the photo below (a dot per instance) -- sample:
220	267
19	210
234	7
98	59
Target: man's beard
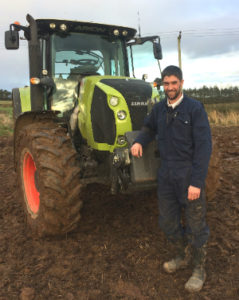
175	95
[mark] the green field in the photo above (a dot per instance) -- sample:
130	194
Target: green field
6	121
6	109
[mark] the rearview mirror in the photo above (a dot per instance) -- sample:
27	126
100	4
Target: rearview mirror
157	50
12	40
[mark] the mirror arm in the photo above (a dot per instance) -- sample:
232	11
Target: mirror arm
18	27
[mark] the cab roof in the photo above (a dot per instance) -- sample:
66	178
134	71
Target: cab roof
46	25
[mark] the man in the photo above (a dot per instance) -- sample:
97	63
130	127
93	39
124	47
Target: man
181	127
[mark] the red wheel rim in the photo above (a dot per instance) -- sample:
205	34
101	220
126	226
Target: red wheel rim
29	173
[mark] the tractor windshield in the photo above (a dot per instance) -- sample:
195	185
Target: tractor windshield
80	54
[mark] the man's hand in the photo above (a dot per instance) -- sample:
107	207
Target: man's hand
137	150
193	193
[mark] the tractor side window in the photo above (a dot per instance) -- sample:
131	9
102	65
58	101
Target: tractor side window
143	61
113	67
131	73
117	60
43	53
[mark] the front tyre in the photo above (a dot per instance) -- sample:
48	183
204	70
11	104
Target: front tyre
48	178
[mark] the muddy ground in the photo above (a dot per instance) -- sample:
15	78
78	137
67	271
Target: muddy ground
117	252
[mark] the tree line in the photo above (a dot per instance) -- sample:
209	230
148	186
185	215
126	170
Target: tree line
209	95
205	94
5	95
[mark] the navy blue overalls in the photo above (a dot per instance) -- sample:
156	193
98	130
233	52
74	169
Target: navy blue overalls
184	142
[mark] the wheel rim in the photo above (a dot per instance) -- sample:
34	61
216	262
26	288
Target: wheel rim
29	179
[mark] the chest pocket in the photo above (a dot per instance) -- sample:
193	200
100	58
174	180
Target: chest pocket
182	125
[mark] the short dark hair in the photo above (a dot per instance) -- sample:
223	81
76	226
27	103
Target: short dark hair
172	70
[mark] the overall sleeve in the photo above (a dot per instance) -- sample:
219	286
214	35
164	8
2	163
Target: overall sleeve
149	130
202	146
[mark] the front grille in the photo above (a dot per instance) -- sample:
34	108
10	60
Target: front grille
136	93
102	117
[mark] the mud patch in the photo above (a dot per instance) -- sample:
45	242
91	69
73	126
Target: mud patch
117	252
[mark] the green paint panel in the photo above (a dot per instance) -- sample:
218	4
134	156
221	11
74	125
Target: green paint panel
84	117
25	99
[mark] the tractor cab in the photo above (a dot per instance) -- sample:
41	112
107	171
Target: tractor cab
63	52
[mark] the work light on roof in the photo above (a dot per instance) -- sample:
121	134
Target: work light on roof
63	27
125	33
52	25
116	32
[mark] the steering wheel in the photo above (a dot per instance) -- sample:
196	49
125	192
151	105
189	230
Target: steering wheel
85	62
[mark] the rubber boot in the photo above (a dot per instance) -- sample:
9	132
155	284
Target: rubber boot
181	260
196	281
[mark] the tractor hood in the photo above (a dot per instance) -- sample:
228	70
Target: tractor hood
137	94
111	106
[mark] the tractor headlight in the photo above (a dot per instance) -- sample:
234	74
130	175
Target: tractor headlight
121	140
114	101
121	115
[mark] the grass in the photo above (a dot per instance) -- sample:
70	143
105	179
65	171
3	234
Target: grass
223	107
223	114
223	119
6	121
6	109
5	102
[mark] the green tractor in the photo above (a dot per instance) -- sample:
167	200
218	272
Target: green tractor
76	122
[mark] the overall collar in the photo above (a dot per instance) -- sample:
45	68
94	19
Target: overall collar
176	103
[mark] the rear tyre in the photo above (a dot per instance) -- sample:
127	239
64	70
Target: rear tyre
48	178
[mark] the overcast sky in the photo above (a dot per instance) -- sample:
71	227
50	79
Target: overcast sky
210	33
